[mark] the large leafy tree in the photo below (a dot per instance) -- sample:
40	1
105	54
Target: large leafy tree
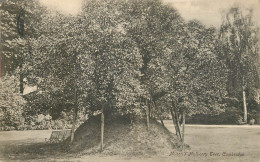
239	39
151	25
53	66
16	27
194	77
85	62
17	21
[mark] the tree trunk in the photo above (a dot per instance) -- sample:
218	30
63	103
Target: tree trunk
183	129
147	114
131	119
175	124
75	110
156	108
21	78
173	121
20	30
102	130
245	108
162	122
150	111
73	124
178	124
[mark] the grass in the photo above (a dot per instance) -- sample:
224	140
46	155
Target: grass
220	139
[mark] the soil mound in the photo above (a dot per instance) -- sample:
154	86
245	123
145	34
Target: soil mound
123	138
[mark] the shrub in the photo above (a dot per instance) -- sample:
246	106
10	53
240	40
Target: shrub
230	116
29	127
7	128
252	122
240	120
19	128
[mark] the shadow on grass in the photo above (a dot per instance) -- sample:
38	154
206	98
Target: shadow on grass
34	151
212	127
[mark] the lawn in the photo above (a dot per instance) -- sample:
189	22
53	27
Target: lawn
208	143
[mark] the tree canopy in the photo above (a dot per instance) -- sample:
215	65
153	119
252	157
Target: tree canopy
136	58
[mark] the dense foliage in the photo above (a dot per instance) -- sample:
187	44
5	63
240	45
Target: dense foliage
11	105
134	58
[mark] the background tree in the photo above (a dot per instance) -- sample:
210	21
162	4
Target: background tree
239	39
195	77
16	27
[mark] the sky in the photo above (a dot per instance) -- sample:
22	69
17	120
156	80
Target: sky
65	6
209	12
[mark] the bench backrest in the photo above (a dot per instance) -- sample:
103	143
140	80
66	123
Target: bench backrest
55	134
60	135
66	134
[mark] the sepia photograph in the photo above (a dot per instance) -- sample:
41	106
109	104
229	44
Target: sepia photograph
130	80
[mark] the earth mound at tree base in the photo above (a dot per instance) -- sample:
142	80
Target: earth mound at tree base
124	139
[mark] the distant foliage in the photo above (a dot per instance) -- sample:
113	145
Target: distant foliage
231	116
239	38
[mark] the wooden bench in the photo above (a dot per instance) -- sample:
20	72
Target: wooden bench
58	136
66	134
